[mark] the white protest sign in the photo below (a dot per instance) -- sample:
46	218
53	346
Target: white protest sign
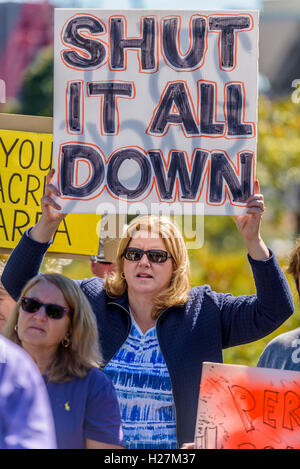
155	110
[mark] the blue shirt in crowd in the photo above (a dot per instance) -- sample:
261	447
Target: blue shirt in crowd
85	408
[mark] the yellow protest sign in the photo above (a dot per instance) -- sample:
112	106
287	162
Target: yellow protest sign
25	159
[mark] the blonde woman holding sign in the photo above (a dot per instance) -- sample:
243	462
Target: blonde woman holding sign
155	330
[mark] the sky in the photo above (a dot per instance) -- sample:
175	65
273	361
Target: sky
156	4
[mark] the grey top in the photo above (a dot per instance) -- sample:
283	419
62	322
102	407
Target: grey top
283	352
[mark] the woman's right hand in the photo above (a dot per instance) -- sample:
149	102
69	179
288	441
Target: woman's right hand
50	220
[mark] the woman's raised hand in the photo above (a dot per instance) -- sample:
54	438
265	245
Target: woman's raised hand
249	224
50	220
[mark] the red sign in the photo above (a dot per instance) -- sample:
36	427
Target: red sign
244	407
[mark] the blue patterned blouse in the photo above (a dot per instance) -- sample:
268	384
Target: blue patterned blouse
143	386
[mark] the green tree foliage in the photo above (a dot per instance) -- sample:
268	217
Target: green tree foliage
278	161
37	91
278	142
36	96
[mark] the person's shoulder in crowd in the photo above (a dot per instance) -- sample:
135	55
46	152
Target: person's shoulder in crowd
26	420
283	352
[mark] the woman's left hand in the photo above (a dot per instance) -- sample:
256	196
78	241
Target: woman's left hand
249	224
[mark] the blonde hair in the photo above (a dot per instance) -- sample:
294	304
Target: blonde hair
83	352
177	291
294	264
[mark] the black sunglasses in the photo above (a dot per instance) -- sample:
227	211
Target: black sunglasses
53	311
153	255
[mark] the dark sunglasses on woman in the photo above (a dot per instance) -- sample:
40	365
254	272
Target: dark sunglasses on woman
53	311
153	255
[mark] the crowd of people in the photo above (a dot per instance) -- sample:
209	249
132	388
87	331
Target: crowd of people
119	358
